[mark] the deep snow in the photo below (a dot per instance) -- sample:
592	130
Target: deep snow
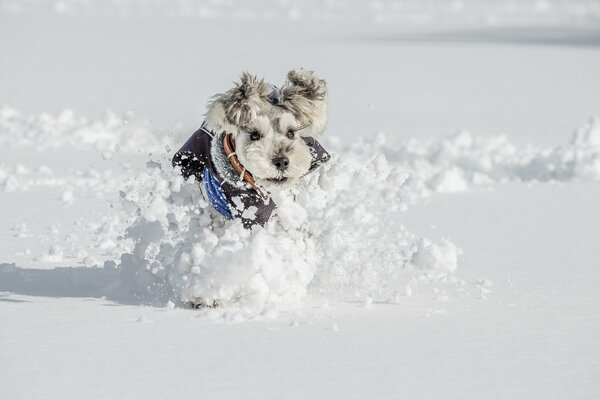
425	260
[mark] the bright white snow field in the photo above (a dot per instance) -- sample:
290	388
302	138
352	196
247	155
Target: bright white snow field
450	248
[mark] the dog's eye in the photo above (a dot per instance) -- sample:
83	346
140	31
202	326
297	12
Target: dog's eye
254	135
290	134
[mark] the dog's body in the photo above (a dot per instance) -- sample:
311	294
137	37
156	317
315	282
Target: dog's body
256	137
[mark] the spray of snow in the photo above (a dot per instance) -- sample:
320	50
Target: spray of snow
328	238
464	160
111	134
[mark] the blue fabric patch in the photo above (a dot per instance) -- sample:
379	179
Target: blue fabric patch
215	193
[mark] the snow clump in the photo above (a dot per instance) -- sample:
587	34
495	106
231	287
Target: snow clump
329	238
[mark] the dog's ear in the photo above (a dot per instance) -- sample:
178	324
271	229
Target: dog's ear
305	95
239	105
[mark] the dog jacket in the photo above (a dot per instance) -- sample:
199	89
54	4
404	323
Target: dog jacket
230	196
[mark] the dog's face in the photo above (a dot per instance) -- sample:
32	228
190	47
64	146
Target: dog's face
267	124
273	150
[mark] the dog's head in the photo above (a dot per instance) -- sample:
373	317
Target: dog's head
268	124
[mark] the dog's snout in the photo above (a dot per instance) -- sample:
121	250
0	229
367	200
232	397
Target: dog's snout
281	163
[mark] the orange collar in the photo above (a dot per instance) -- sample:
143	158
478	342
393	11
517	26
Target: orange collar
229	146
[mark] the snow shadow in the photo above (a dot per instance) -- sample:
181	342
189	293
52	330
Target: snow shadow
81	282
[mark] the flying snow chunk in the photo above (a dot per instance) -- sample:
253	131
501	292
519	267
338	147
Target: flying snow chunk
442	257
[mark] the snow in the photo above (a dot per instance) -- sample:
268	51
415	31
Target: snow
448	249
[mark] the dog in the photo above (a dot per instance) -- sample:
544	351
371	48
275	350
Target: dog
256	137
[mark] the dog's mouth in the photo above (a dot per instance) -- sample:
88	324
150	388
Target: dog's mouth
280	179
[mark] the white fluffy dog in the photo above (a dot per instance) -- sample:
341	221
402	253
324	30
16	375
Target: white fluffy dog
256	136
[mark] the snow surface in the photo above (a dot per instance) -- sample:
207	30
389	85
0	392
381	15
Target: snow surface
425	260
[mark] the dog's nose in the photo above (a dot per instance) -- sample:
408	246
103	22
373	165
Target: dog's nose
281	163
